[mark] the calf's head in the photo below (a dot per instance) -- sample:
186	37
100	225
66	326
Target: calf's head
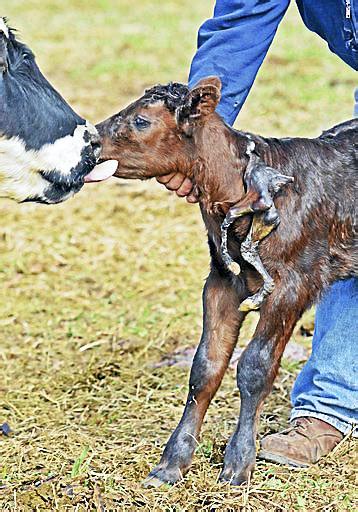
46	149
159	133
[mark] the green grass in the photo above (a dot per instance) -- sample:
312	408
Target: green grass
97	290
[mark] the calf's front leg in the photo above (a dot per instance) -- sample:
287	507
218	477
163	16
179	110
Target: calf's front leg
257	369
221	326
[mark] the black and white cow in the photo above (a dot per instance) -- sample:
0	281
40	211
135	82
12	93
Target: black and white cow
46	149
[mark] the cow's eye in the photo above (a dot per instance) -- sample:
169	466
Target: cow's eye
141	123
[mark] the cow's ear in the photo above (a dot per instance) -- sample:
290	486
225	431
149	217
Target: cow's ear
200	102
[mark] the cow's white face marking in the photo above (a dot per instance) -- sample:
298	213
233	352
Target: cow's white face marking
64	154
3	27
20	169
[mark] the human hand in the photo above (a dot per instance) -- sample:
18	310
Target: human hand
183	186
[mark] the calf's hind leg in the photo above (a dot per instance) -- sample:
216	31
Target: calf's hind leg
257	369
221	326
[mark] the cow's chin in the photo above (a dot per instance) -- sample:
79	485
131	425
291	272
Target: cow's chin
32	187
50	197
54	198
55	194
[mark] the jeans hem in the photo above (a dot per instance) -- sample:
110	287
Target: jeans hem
344	427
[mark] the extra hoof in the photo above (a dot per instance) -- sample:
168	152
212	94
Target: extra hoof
249	305
234	268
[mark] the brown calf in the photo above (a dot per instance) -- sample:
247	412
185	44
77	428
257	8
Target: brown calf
172	128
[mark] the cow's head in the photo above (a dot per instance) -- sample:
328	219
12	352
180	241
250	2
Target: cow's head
46	149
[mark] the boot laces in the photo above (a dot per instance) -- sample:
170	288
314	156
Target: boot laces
299	426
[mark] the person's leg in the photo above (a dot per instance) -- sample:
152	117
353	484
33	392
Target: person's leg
325	394
327	387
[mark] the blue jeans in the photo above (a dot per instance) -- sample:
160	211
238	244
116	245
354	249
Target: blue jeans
327	386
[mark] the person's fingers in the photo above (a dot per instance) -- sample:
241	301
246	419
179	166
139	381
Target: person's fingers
192	198
185	188
175	182
164	179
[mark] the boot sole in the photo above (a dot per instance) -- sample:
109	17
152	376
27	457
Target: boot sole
281	459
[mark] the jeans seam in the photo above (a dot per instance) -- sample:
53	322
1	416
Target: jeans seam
343	426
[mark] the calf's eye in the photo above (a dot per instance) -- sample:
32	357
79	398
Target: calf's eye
141	123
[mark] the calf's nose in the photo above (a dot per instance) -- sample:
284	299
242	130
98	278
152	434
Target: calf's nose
101	128
109	128
96	145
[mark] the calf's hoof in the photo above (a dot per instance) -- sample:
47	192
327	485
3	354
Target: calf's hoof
235	477
162	475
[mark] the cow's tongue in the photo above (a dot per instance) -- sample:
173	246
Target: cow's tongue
102	171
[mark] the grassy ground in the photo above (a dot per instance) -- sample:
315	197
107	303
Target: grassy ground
98	290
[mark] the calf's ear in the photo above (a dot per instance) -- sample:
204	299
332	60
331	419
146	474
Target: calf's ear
200	102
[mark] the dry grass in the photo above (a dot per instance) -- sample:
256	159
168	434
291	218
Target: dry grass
97	290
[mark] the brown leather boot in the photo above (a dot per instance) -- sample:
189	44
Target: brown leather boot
302	444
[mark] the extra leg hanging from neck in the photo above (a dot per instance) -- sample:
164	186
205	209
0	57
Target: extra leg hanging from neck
262	183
